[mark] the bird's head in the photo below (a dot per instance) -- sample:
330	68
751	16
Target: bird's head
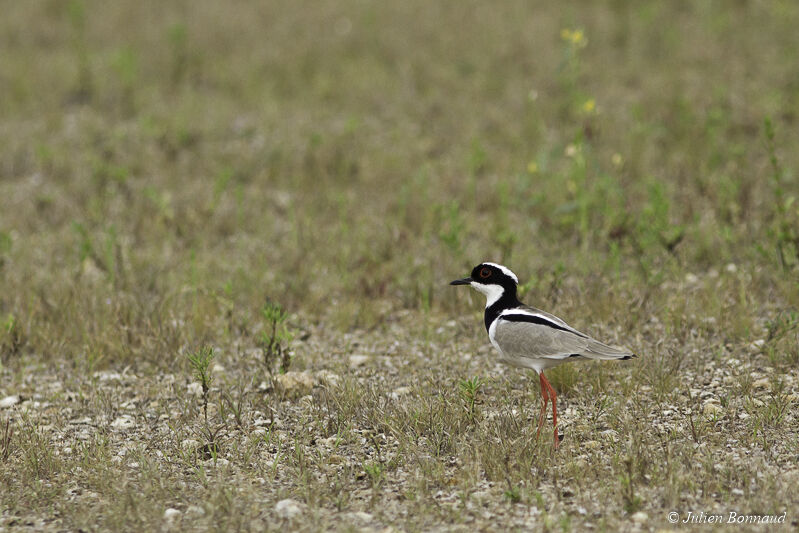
493	280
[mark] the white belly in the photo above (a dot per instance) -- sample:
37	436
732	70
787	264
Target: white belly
539	365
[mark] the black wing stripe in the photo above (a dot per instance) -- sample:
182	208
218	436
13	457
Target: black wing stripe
535	319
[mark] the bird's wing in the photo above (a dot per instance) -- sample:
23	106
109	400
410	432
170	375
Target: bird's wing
529	333
554	321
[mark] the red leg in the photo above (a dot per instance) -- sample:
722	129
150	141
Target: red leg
554	397
544	398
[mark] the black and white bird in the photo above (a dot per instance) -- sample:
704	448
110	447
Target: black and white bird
528	337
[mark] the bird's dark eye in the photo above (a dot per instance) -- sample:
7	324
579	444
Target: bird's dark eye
485	272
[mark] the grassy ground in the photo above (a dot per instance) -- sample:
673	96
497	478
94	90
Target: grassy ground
167	169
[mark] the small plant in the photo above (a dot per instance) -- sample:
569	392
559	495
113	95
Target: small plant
178	43
5	247
513	494
103	255
85	246
778	405
564	378
781	345
632	502
478	158
504	229
200	362
468	389
126	65
565	522
11	338
657	230
783	324
39	458
540	503
575	40
211	448
375	473
5	441
696	430
235	407
275	338
77	19
221	184
558	276
93	359
451	226
786	209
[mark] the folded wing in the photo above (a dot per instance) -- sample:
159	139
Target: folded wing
537	335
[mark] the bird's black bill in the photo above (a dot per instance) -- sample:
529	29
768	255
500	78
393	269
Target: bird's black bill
464	281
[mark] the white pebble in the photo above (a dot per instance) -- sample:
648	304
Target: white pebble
288	508
190	444
401	391
9	401
195	510
294	385
108	376
359	516
123	422
358	360
762	383
325	377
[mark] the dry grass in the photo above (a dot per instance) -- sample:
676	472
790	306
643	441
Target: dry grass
165	170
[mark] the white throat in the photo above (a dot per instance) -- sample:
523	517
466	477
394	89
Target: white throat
492	292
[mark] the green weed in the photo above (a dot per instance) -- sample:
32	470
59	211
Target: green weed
84	85
275	338
6	444
177	35
200	362
12	337
468	390
631	501
126	68
784	229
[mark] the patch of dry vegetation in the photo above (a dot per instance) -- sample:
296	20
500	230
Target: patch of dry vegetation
169	174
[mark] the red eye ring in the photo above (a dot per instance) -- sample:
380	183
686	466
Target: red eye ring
485	272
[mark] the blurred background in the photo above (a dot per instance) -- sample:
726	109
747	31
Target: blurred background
166	167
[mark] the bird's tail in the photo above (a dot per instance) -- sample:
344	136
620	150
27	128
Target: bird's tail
601	351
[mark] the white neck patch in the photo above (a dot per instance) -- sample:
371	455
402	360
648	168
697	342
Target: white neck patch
505	270
493	292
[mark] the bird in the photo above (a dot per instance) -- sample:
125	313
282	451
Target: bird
527	337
